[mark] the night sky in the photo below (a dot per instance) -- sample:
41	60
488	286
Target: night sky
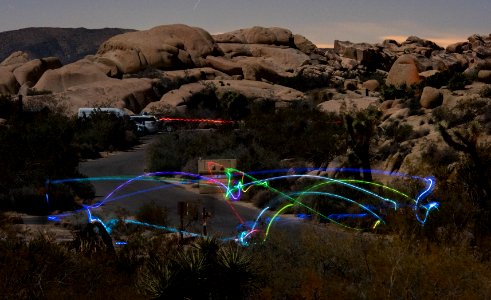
443	21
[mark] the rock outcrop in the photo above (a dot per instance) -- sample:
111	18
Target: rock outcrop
34	69
163	47
370	56
257	35
8	84
251	90
484	76
257	59
77	73
403	72
16	58
431	98
348	105
132	93
303	44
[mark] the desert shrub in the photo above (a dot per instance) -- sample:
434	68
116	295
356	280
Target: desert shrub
262	198
164	155
463	113
453	80
302	132
40	268
485	92
364	266
437	81
38	146
303	83
458	82
398	132
392	92
7	106
103	132
379	76
152	213
214	270
235	106
205	103
34	92
175	151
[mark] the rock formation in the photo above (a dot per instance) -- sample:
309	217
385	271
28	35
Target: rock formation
163	47
403	72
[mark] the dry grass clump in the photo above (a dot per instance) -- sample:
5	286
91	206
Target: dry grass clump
340	265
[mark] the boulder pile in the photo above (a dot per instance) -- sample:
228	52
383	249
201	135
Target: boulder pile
142	70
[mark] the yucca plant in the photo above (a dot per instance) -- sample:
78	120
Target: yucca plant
236	273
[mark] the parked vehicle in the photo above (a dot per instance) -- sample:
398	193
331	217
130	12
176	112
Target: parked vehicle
85	112
146	123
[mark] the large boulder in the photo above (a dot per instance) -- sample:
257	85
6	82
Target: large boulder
458	47
31	71
106	65
365	54
454	62
348	105
303	44
224	65
476	40
284	58
483	52
251	90
372	85
403	71
484	76
257	35
257	90
163	47
340	46
419	42
179	77
258	62
132	93
16	58
313	76
431	97
77	73
51	62
8	84
258	68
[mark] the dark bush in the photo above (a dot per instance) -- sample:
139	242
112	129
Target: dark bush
398	132
437	81
392	92
458	82
7	106
152	213
37	147
262	198
103	132
485	92
235	106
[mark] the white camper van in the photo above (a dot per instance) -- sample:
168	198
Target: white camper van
85	112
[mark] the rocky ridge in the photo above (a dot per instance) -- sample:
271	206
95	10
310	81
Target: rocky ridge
68	44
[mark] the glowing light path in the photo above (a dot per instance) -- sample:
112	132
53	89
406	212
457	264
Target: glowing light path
368	202
197	120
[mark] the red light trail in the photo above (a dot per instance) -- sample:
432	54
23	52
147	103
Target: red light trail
198	120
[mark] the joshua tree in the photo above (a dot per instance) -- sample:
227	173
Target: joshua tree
466	142
361	129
